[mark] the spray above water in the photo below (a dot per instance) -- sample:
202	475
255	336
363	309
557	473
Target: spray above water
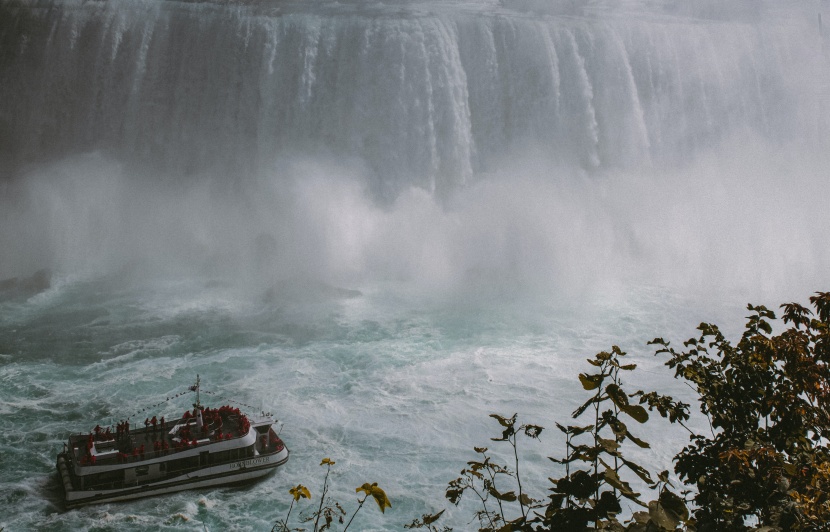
456	147
265	194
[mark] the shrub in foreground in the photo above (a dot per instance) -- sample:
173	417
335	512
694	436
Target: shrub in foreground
763	464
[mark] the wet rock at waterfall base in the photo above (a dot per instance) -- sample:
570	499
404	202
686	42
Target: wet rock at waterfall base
17	287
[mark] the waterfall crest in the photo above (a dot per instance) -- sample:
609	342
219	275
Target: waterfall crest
449	143
427	99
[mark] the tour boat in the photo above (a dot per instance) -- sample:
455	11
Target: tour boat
203	448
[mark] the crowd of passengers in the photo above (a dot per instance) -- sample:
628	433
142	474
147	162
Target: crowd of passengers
187	437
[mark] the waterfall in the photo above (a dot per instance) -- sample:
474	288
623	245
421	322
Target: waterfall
426	99
355	138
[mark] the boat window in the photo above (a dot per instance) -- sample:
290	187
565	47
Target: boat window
142	470
108	479
220	457
184	464
111	476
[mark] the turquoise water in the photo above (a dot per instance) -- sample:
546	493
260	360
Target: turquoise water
383	221
395	391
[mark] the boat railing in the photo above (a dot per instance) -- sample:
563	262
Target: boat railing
163	439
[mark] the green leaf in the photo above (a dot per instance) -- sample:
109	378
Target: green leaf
429	519
637	441
616	395
623	487
591	382
637	412
505	422
533	431
638	470
662	517
578	412
609	445
604	355
618	427
576	431
454	495
641	518
675	504
509	496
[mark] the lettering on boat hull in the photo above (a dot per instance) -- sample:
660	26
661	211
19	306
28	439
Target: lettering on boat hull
249	463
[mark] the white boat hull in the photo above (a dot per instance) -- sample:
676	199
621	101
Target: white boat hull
219	475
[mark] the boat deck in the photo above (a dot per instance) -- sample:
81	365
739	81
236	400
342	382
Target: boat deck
162	438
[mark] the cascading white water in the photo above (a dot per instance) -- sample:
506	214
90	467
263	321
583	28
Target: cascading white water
427	99
227	110
510	185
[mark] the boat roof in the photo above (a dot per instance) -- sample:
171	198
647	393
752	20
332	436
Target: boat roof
196	431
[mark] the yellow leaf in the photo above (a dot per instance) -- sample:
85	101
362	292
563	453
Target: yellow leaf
378	494
300	491
327	461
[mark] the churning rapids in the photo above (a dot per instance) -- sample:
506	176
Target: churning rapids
383	221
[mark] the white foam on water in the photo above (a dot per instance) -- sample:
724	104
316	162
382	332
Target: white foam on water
383	223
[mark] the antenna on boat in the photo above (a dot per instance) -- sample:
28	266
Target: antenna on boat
197	404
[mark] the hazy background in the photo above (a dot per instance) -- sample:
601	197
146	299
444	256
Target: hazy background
443	144
383	221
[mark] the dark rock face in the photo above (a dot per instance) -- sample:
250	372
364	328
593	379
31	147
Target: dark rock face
309	291
17	287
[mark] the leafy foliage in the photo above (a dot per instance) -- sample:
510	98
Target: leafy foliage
427	520
376	493
330	511
484	478
766	456
764	461
592	489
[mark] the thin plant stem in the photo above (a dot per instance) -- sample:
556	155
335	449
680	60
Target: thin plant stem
493	482
285	523
359	506
618	382
322	497
568	463
518	479
484	504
